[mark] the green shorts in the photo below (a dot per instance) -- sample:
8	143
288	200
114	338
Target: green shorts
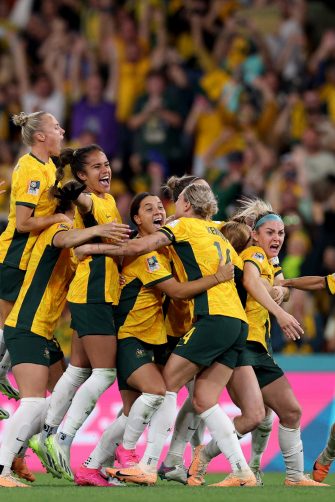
266	369
27	347
11	280
213	338
132	353
92	318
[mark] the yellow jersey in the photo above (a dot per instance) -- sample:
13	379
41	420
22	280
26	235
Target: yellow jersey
43	293
31	181
330	283
258	316
200	245
140	313
97	277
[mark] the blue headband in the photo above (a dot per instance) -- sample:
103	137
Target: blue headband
267	217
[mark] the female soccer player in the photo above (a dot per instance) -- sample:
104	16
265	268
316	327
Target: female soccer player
268	237
199	245
36	356
31	211
312	283
142	347
92	294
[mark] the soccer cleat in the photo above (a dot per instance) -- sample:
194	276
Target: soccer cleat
93	477
258	475
41	451
137	475
233	480
10	481
60	457
320	471
8	390
197	469
126	458
3	414
175	473
305	481
20	468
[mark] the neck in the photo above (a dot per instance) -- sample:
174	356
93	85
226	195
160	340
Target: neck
40	153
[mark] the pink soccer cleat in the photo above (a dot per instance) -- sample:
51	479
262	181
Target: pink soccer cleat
92	477
126	458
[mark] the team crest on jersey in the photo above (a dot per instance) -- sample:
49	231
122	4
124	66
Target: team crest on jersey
152	264
34	187
46	353
258	256
140	353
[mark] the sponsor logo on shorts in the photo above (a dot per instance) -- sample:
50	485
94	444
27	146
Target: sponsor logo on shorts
46	353
34	187
140	353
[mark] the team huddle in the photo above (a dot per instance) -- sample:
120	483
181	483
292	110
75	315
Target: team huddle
184	302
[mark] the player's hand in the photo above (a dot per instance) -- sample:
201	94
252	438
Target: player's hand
225	272
70	191
290	326
81	252
278	293
114	232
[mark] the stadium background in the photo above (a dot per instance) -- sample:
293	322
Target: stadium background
240	92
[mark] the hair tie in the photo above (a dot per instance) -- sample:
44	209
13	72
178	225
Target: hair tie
74	153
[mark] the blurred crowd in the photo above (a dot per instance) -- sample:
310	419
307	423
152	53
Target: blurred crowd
240	92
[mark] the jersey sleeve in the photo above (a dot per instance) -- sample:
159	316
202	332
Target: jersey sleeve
254	255
31	186
176	231
330	283
154	268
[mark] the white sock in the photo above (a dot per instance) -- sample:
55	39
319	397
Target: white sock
2	344
84	401
186	425
223	432
198	436
5	364
260	439
160	428
107	444
328	454
20	427
291	447
139	417
62	396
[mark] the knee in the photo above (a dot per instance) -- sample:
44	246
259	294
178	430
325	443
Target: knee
291	416
153	400
202	403
256	418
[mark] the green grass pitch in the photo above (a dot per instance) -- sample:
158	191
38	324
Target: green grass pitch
47	489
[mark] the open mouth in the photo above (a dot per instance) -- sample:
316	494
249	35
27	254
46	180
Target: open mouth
105	181
158	222
274	248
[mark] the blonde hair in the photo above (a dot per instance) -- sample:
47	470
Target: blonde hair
202	200
176	184
30	124
251	210
238	234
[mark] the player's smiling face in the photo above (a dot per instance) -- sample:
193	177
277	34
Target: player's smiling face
270	237
97	173
151	215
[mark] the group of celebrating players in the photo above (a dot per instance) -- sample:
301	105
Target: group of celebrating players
187	301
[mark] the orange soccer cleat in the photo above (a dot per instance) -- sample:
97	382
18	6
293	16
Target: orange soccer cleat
136	475
197	469
305	481
320	471
9	481
20	468
233	480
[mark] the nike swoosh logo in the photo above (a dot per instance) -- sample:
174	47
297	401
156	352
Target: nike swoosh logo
124	475
21	440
